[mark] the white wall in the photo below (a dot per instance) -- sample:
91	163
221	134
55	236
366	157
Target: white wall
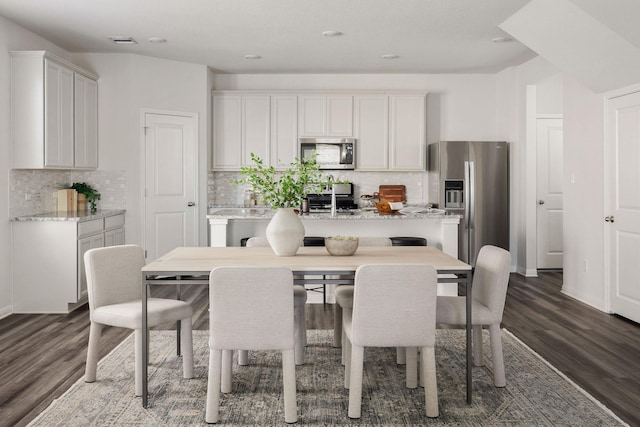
12	37
584	199
128	84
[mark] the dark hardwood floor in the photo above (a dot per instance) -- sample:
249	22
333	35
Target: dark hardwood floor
41	356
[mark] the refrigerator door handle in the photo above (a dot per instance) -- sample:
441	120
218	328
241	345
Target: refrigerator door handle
472	195
467	206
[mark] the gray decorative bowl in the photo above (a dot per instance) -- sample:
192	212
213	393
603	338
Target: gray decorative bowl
341	246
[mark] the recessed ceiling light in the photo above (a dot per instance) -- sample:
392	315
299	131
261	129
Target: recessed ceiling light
123	40
252	57
390	56
502	39
157	40
331	33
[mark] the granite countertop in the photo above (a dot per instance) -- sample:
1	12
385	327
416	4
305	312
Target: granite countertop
70	216
411	212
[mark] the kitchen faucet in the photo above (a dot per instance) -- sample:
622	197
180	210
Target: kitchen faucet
331	180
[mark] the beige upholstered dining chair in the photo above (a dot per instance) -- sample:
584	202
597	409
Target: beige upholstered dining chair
114	283
299	316
489	289
251	309
344	293
394	305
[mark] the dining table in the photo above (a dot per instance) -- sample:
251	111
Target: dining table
192	265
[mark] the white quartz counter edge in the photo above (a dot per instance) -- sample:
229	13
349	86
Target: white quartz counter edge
256	214
70	216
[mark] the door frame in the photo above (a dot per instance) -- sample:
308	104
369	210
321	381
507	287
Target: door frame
608	158
143	166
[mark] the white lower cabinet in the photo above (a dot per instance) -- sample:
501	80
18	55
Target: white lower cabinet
48	261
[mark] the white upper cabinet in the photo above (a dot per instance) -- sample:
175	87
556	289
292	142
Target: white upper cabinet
86	122
241	126
390	132
227	132
49	112
325	115
371	130
407	132
284	130
256	127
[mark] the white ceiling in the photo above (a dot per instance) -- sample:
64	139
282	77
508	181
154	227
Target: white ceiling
429	36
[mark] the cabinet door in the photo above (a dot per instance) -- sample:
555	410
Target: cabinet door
84	245
407	132
339	115
227	132
58	134
371	129
114	237
312	115
86	122
284	130
256	127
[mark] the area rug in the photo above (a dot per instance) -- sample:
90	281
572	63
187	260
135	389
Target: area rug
536	394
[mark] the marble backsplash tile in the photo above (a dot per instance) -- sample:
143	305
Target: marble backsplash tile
34	191
222	191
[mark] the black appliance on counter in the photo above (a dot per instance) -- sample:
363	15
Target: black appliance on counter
344	199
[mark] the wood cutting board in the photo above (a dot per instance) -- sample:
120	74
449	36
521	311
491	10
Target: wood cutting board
392	193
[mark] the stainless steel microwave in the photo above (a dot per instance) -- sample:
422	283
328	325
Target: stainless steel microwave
331	153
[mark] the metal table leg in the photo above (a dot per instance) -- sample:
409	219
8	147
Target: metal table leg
145	342
469	301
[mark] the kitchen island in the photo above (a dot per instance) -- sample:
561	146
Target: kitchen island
228	225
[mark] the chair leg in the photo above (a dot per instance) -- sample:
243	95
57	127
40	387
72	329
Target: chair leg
477	345
93	352
289	386
412	366
337	325
495	336
355	391
300	330
428	365
346	350
213	386
243	357
138	361
346	313
226	368
401	355
186	346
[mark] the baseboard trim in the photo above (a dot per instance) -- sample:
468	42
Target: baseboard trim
6	311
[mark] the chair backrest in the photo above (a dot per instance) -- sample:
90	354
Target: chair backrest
491	278
257	242
394	305
113	274
251	308
374	241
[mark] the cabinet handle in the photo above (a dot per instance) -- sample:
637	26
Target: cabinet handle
541	202
191	204
609	219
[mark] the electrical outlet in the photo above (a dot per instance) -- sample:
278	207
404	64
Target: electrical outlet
27	196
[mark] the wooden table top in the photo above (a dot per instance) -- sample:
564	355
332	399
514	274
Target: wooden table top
201	260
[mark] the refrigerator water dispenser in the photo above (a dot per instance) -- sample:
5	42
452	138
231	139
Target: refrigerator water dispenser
453	194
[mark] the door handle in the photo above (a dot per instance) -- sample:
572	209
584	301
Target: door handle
541	202
190	204
609	219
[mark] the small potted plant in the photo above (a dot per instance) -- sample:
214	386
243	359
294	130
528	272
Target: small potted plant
283	191
87	192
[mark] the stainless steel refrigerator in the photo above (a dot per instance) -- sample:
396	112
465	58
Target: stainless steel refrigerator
471	178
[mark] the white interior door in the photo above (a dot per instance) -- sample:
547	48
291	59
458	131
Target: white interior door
549	193
623	207
170	183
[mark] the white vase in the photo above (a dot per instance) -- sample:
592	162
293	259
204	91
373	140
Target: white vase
285	232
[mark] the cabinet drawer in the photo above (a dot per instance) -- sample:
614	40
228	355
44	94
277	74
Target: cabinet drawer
90	227
112	222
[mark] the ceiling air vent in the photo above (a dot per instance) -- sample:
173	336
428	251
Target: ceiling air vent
123	40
